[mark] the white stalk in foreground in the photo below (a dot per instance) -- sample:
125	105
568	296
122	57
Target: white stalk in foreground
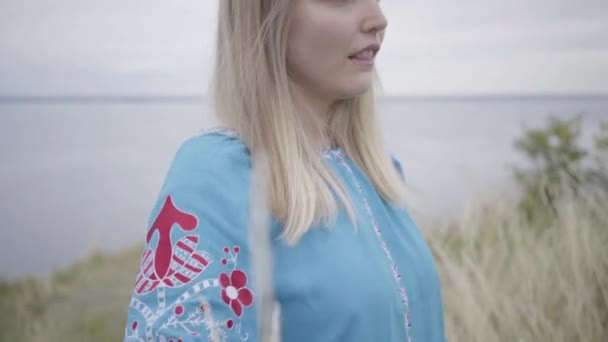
261	254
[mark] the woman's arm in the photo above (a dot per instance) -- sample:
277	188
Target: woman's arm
194	279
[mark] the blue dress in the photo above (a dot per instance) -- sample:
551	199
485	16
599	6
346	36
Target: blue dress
376	283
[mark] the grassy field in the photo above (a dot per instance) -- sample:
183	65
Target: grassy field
506	280
503	280
88	302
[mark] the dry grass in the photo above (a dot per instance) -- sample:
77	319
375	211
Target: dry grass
88	302
503	280
507	280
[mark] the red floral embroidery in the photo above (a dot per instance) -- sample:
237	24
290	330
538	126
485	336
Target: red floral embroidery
164	223
234	292
176	256
171	264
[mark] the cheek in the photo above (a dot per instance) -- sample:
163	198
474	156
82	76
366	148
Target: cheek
317	46
318	49
328	37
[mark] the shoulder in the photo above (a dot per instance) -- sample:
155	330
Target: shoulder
209	157
208	177
212	150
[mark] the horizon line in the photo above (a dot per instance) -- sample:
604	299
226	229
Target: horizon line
185	97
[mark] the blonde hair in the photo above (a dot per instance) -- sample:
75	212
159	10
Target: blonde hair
252	93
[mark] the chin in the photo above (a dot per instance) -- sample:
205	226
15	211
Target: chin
354	89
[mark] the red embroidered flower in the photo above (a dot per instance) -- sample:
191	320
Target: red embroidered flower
234	292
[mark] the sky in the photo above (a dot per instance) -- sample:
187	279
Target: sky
432	47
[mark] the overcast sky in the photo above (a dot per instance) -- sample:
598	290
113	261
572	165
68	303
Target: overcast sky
432	47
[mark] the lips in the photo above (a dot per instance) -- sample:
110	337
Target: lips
366	54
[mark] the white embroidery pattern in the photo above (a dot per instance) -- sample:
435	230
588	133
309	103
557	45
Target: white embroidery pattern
223	130
340	155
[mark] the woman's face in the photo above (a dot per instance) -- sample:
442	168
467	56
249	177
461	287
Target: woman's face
332	45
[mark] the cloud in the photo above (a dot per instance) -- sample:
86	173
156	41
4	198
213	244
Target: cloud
69	46
106	47
496	47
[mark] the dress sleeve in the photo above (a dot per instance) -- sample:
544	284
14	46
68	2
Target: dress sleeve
193	283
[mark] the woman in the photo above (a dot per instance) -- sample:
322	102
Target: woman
293	83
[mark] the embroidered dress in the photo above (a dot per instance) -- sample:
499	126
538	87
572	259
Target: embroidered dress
376	283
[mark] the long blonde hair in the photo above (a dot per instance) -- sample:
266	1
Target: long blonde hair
252	93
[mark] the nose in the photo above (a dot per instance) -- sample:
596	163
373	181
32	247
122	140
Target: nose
375	21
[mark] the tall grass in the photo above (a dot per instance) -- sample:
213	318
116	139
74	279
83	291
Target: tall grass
503	279
506	278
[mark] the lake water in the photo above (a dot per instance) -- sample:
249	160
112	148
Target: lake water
79	176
